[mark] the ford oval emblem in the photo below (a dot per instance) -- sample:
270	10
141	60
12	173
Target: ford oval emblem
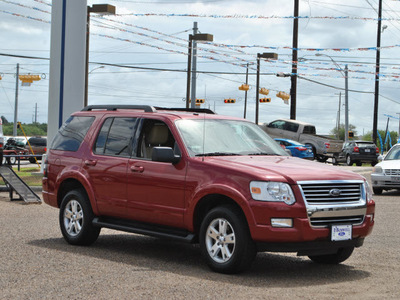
335	192
341	233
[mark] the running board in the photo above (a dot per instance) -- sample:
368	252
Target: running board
145	229
19	186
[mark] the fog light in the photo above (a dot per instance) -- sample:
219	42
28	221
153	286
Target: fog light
282	222
371	218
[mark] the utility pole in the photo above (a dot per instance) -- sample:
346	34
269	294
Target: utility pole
346	103
35	112
245	92
16	103
293	78
378	57
194	67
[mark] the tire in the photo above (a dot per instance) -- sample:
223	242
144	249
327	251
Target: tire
334	161
377	191
374	163
76	218
13	160
333	259
349	162
32	160
225	240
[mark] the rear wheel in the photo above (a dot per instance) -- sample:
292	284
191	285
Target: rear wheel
349	162
76	218
340	256
334	161
225	240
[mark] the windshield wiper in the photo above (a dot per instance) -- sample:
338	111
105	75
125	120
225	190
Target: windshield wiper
261	153
218	154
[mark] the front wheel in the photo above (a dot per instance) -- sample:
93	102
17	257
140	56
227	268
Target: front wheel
340	256
76	218
225	240
377	191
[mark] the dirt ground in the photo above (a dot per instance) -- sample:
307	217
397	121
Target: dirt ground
36	263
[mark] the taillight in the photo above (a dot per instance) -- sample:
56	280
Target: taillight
377	150
301	148
356	149
327	145
45	166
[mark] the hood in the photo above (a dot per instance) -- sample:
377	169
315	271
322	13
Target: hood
282	168
389	164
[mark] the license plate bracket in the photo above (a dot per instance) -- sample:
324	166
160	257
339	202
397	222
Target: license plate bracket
341	232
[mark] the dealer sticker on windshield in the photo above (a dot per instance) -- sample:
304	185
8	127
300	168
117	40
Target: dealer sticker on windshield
341	232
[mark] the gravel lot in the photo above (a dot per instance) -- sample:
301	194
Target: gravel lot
36	263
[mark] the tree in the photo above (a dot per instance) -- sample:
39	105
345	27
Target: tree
341	133
4	120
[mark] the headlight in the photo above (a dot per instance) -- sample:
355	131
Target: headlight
272	191
377	169
368	191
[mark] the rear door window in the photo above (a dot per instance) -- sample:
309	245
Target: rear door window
115	137
72	133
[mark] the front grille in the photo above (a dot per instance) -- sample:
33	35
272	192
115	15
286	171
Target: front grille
392	172
330	193
334	202
336	220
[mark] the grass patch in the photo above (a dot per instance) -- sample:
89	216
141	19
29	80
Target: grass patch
27	176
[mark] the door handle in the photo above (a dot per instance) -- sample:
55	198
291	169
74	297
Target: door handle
138	169
90	162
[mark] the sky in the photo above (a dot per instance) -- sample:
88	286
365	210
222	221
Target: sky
139	56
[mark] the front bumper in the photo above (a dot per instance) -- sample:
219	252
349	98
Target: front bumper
385	181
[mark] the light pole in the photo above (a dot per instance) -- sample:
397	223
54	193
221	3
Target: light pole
194	37
346	94
102	9
268	55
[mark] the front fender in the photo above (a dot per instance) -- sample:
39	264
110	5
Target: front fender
228	191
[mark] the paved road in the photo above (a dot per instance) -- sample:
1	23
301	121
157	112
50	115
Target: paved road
36	263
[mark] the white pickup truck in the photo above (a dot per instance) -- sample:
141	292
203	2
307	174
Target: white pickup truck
305	133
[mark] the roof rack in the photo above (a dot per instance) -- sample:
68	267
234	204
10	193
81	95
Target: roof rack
146	108
195	110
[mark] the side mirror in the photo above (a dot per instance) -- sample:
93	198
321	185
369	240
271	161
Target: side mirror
165	154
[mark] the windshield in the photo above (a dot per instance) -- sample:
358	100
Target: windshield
226	137
393	154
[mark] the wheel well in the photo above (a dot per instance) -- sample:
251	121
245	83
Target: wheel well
67	186
208	203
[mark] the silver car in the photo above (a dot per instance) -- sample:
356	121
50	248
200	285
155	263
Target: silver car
386	174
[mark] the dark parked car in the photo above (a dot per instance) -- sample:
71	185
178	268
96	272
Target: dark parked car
37	145
357	152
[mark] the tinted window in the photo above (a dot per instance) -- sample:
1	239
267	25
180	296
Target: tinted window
72	133
291	127
309	129
115	137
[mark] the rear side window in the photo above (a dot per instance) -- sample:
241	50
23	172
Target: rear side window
309	129
72	133
115	137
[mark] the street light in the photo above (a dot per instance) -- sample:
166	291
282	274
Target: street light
194	37
268	55
346	93
102	9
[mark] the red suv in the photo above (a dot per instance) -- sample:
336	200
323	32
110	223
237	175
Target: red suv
198	177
